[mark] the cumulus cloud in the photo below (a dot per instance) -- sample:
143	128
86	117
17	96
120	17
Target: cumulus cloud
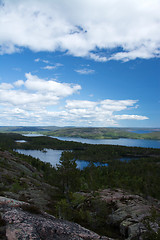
34	83
82	28
35	105
19	83
78	104
35	91
94	113
101	113
5	86
99	58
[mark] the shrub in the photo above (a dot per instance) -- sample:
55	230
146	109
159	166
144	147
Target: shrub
31	208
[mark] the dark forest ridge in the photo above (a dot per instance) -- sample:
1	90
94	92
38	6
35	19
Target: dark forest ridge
87	132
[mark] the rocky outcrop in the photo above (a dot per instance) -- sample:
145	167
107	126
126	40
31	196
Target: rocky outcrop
20	224
21	181
131	213
126	216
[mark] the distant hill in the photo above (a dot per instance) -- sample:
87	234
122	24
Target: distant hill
107	133
88	132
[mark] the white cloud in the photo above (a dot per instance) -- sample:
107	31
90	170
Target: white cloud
101	113
49	67
6	86
53	87
132	117
19	83
19	98
82	28
78	104
114	105
41	60
85	71
35	92
98	58
37	60
17	108
45	61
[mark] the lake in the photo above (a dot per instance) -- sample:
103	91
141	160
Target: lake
140	131
120	141
53	156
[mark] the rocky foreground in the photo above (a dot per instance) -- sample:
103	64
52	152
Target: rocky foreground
131	214
17	223
26	197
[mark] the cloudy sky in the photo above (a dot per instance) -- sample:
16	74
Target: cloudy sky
80	63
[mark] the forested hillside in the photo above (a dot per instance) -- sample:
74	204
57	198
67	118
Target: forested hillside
82	196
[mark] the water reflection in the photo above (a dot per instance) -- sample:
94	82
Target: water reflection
53	156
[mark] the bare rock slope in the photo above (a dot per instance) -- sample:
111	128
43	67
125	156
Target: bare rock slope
19	224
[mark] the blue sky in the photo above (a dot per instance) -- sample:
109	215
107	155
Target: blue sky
80	63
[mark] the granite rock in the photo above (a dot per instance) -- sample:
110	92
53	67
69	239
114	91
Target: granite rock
24	225
131	213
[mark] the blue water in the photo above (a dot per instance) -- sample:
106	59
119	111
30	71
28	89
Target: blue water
53	156
81	164
121	141
127	159
33	135
141	131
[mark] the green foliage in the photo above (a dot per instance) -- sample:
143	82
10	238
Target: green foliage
63	210
103	133
141	176
31	208
84	132
77	199
67	172
2	221
16	187
89	152
151	235
89	212
2	228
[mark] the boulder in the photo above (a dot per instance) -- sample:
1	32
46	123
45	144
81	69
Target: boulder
131	213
